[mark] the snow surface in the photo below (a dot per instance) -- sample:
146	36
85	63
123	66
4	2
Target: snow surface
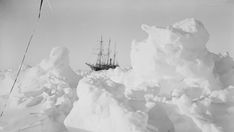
175	85
43	96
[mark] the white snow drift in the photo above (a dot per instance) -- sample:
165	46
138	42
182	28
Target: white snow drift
175	85
42	97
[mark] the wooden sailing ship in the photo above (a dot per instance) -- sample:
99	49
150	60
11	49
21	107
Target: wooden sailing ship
104	59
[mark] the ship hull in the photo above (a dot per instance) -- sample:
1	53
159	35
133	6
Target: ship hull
101	67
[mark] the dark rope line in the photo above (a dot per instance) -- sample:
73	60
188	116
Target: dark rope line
39	15
22	61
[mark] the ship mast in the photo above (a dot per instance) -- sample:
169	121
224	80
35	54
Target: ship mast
114	56
100	54
108	53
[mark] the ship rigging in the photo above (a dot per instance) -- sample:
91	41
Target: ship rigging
104	59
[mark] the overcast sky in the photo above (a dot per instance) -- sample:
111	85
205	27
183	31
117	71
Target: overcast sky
78	24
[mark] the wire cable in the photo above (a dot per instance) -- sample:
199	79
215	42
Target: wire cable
24	56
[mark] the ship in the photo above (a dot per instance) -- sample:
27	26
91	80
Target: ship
105	59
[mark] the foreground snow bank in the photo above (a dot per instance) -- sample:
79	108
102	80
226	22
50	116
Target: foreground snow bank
103	107
43	96
175	84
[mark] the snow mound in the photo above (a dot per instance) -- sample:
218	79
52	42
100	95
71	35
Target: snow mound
174	52
188	75
167	49
103	107
57	64
43	96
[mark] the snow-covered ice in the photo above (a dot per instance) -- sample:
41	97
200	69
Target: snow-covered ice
43	96
175	85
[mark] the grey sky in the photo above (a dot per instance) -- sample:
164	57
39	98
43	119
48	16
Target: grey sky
78	24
